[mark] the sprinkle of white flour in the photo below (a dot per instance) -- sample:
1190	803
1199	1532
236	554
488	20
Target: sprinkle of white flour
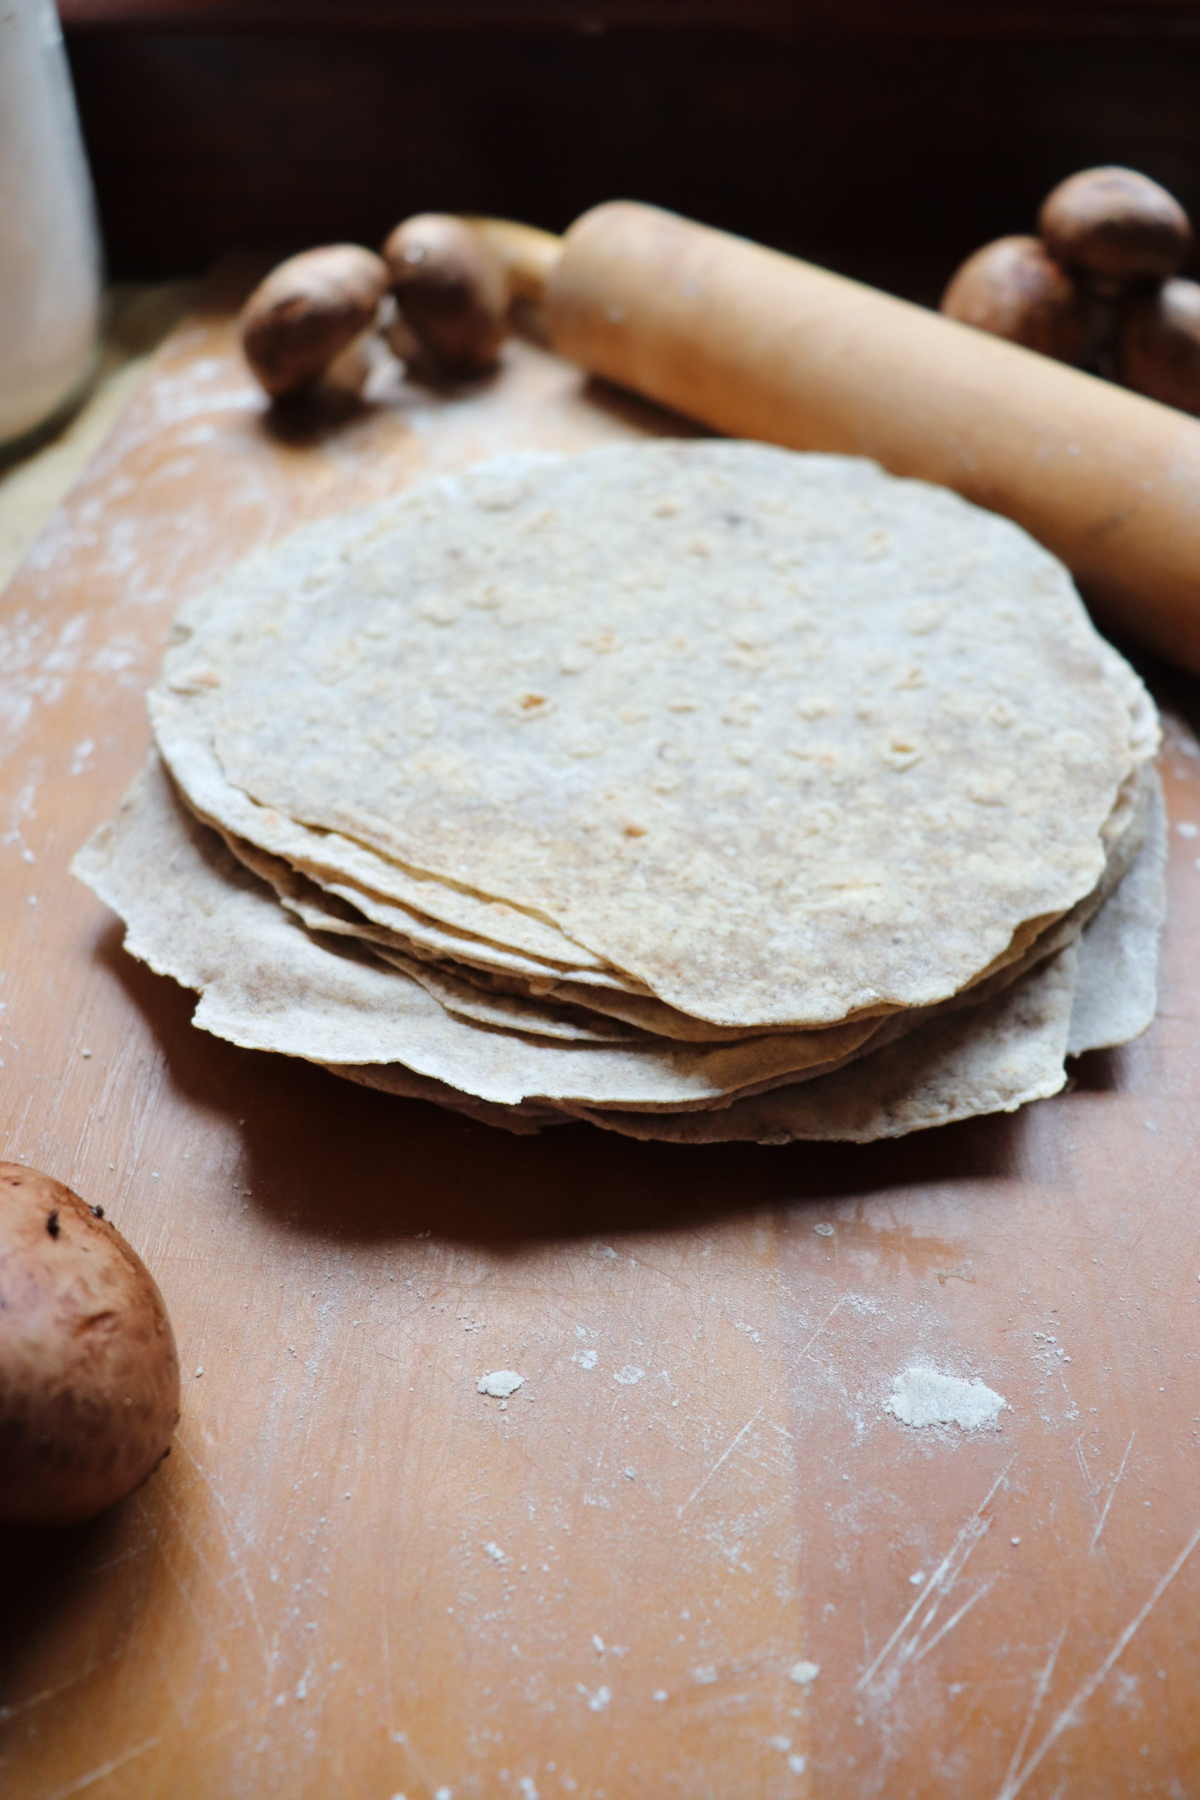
802	1673
927	1397
500	1383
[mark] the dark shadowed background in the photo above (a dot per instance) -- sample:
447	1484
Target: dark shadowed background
884	140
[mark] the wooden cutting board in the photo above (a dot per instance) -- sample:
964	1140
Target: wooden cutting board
694	1554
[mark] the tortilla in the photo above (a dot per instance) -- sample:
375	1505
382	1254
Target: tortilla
551	1003
1013	1054
324	913
267	984
1117	987
989	1058
385	893
564	790
565	1010
522	1121
761	816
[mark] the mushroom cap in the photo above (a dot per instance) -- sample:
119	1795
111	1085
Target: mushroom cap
303	314
89	1377
1013	289
1116	224
450	289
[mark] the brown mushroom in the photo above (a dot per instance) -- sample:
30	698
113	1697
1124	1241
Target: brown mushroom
1158	348
308	311
89	1378
450	290
1014	290
1116	225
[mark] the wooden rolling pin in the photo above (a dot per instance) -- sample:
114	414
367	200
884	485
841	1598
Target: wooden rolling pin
758	344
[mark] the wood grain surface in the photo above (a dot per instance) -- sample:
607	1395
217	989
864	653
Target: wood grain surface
357	1575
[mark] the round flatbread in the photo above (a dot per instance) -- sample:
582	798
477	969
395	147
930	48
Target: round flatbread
783	739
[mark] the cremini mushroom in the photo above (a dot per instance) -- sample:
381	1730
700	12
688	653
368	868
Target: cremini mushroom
89	1378
450	290
1115	225
1013	288
308	312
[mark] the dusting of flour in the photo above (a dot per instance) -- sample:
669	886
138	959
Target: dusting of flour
500	1383
922	1396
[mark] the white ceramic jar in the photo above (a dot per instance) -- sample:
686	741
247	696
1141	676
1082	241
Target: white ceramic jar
49	247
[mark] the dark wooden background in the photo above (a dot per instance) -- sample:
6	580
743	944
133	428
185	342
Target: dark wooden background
885	140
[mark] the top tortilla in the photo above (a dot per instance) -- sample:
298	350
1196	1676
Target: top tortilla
781	737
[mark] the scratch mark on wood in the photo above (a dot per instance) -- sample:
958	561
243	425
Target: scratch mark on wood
415	1758
1100	1522
108	1768
1070	1712
114	1562
939	1584
824	1322
270	1654
1081	1459
388	1683
18	1707
726	1453
953	1620
862	1619
200	1615
1040	1687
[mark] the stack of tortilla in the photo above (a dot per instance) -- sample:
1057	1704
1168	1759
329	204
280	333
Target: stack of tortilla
703	791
